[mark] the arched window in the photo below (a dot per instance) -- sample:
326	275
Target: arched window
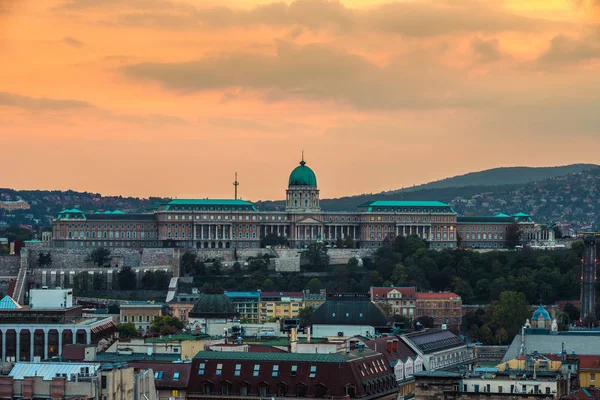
301	390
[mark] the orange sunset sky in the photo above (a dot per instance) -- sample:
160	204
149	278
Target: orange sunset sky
170	98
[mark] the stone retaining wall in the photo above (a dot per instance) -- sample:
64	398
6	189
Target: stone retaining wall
9	265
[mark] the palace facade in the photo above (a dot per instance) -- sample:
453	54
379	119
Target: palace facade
234	223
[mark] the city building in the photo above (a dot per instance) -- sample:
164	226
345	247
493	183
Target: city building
141	315
235	223
445	308
402	300
589	370
588	276
404	361
171	379
14	205
246	304
489	232
440	349
347	315
360	373
34	380
280	305
314	300
212	313
39	331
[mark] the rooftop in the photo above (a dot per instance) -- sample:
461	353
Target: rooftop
433	296
51	370
403	203
292	357
116	357
8	303
210	203
433	340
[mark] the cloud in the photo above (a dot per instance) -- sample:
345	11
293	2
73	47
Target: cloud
486	50
72	42
32	103
150	121
312	72
566	50
414	18
245	125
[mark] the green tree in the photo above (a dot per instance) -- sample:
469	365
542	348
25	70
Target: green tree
166	325
317	256
81	282
237	268
314	285
400	275
304	314
268	285
578	248
462	288
126	278
99	282
513	235
348	243
100	256
162	279
187	263
149	280
508	312
127	330
424	321
572	312
272	239
44	259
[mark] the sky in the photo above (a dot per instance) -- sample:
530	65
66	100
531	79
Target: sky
171	98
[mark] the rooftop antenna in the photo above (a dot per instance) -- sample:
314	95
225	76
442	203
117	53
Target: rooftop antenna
235	185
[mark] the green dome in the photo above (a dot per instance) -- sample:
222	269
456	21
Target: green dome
213	305
302	176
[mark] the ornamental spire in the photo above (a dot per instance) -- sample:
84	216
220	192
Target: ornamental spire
302	162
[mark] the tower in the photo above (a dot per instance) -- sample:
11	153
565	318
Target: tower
588	276
302	194
235	185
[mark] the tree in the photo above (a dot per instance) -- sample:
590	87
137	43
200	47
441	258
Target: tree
572	312
237	268
44	259
513	235
268	285
187	263
314	285
126	278
558	233
508	312
166	325
149	280
98	282
304	314
127	330
349	243
424	322
162	279
100	256
272	239
387	309
400	275
317	256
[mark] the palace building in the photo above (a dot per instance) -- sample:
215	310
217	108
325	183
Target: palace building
235	223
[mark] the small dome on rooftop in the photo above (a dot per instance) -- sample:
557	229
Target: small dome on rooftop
541	311
213	305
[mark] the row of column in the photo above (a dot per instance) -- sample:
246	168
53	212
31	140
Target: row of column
213	232
334	232
4	332
422	230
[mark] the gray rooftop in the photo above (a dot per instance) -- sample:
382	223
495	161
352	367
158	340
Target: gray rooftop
51	370
575	342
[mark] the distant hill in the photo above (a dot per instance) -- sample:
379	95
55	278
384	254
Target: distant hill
502	176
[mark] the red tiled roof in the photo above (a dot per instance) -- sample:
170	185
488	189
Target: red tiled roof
584	394
433	296
380	345
589	362
381	292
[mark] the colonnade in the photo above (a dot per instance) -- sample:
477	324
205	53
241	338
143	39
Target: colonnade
6	329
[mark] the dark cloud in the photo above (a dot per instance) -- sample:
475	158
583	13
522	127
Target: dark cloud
568	50
72	42
486	50
32	103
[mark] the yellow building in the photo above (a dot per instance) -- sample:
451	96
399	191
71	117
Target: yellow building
315	300
589	371
280	305
543	363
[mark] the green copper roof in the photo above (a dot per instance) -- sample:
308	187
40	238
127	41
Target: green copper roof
302	176
521	215
500	215
402	203
209	202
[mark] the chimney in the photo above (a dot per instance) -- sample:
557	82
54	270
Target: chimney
395	345
389	344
